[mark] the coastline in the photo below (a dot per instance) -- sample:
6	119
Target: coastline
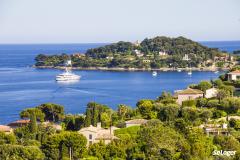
134	69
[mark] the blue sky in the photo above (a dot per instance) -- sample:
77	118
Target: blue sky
84	21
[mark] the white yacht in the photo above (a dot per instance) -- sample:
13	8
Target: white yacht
67	75
179	70
154	73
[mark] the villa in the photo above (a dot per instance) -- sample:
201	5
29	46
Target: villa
19	123
6	129
188	94
210	93
97	134
234	75
135	122
138	53
215	129
162	53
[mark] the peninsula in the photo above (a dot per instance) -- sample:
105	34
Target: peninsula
159	53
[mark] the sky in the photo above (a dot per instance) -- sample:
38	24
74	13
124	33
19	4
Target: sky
104	21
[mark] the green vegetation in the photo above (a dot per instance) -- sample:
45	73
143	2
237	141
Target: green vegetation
172	131
158	52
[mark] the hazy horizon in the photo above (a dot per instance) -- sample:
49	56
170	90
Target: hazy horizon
107	21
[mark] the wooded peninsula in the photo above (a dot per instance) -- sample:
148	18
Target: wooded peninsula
159	53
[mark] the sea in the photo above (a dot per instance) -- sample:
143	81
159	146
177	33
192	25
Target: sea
22	86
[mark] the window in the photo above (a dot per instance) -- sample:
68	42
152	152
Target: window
90	136
90	142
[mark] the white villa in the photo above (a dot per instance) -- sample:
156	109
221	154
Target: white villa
234	75
162	53
138	53
188	94
97	134
212	92
186	58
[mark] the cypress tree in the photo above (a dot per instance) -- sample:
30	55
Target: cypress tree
88	118
33	123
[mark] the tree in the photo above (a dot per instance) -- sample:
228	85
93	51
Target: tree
73	122
33	123
76	144
204	85
88	118
234	123
65	144
19	152
26	113
123	110
53	112
145	107
201	145
157	139
205	115
168	113
222	94
7	138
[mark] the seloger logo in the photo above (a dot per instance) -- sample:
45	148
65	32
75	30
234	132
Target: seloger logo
223	153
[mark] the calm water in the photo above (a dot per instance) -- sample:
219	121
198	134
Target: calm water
22	86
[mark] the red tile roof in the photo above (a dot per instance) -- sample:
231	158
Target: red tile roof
235	72
189	91
4	128
19	122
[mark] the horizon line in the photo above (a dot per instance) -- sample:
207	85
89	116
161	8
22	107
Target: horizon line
52	43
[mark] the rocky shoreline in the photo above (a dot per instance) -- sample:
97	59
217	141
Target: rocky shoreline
133	69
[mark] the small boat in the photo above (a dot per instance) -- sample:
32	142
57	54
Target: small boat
189	73
216	72
154	73
179	70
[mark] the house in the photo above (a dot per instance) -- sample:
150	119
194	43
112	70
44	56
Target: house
97	134
109	57
146	61
186	58
222	58
137	43
78	55
6	129
162	53
138	53
55	126
234	75
135	122
188	94
212	92
216	129
19	123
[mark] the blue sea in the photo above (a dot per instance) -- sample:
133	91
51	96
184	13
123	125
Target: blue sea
22	86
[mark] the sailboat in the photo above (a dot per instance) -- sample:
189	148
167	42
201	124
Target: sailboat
154	73
190	71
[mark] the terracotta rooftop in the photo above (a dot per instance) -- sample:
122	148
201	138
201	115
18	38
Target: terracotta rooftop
136	121
4	128
19	122
235	72
190	91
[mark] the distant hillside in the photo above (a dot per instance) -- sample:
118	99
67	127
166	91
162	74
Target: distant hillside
156	52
